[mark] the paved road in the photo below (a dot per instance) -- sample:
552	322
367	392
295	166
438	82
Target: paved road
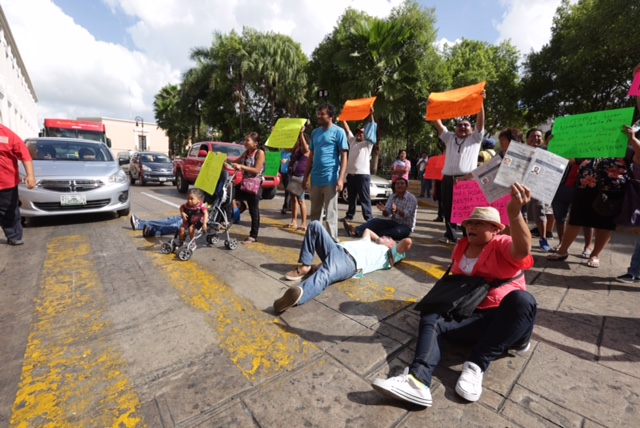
98	328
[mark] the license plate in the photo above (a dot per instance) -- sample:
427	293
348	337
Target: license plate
73	200
162	179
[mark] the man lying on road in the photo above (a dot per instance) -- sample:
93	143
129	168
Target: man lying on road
339	262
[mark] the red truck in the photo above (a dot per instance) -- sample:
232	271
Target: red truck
186	169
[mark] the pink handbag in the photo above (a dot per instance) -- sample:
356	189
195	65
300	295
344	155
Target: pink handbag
251	185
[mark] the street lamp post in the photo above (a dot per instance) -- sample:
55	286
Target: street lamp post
142	139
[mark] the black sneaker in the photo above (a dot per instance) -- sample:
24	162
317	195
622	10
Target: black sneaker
549	235
535	232
438	219
627	278
148	231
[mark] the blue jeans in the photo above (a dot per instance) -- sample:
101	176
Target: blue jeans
385	227
359	187
336	266
426	185
168	226
491	332
634	269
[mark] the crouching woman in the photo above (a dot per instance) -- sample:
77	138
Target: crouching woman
502	322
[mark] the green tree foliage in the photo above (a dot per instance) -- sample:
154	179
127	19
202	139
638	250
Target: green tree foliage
586	65
166	106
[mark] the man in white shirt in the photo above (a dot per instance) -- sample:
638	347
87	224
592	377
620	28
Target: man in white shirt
462	149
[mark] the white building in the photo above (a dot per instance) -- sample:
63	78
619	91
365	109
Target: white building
18	100
134	135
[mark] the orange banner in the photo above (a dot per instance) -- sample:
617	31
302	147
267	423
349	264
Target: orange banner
433	171
459	102
357	109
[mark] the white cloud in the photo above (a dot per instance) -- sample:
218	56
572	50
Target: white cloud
527	23
76	75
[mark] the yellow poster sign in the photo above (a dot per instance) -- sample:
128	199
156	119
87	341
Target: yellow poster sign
285	133
210	173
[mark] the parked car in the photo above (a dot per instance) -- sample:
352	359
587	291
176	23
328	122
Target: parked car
380	190
74	176
151	166
124	158
187	169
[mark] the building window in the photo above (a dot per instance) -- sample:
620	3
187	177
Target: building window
142	143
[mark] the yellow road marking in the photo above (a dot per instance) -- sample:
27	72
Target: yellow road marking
257	346
72	376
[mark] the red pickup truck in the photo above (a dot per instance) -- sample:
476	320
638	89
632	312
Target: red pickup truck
186	170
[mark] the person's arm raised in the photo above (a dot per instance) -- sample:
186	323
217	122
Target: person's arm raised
520	234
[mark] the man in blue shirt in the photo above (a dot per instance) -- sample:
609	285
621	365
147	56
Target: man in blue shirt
327	167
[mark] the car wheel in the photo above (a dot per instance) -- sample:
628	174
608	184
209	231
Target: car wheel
269	194
345	195
181	183
124	212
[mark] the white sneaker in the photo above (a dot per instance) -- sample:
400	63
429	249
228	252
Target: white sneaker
469	384
404	387
521	350
134	222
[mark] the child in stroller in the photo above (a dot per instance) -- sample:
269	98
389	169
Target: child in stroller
195	217
222	211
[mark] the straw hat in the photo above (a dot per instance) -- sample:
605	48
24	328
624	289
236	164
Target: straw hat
488	214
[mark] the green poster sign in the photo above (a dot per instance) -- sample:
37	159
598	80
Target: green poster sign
591	135
272	160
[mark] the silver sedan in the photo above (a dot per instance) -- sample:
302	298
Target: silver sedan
73	176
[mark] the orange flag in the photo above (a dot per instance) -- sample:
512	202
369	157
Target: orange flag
459	102
357	109
433	171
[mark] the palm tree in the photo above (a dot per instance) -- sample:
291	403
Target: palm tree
166	107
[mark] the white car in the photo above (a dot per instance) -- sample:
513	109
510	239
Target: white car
380	190
73	176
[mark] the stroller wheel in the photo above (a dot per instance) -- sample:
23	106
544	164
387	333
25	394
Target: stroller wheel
212	239
231	244
185	255
166	248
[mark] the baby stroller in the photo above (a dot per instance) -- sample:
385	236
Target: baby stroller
220	217
185	251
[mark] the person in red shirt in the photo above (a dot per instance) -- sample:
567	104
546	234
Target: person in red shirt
12	149
503	322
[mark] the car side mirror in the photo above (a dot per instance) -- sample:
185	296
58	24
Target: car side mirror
109	142
202	154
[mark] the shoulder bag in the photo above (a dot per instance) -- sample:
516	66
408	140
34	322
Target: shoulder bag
629	215
251	185
457	296
295	185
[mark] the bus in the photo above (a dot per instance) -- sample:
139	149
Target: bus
75	129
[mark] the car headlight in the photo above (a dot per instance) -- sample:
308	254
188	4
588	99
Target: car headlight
145	168
118	177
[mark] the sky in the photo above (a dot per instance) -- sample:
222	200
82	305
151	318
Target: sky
108	58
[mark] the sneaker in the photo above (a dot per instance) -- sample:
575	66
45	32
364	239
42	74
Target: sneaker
627	278
404	387
148	231
134	222
438	219
469	384
535	232
290	298
544	245
549	235
446	240
15	242
521	350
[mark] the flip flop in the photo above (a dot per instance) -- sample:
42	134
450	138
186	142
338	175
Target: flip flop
302	228
291	226
556	257
586	254
593	262
249	240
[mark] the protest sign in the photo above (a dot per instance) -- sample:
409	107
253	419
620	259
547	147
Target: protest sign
467	195
272	161
433	171
592	135
634	90
210	172
459	102
357	109
285	133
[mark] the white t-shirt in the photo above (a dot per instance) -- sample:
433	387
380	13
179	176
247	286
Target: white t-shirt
461	153
359	156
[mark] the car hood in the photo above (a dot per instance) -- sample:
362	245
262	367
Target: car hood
73	169
379	180
154	166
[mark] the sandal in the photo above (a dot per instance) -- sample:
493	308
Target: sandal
556	257
593	262
348	228
291	226
302	228
249	240
297	274
586	254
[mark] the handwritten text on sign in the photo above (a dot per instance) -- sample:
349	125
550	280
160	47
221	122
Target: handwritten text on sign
285	133
467	195
459	102
591	135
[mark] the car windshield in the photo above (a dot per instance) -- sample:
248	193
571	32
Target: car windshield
69	151
231	150
155	158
